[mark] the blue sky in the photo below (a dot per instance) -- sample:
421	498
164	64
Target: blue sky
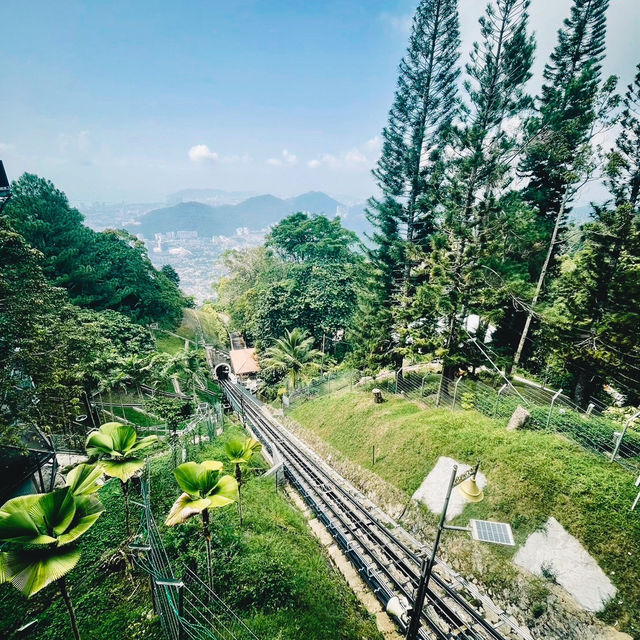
131	101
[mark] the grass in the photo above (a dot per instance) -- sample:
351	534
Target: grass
107	603
167	343
272	571
531	475
208	323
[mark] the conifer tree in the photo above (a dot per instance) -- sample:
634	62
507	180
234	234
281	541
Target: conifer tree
623	170
483	150
559	155
595	317
424	105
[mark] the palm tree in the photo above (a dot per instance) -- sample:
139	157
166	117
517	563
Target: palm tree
117	446
240	451
186	364
40	530
293	354
205	487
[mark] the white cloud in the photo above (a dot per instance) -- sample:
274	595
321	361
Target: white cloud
200	153
286	158
355	159
5	146
399	23
289	157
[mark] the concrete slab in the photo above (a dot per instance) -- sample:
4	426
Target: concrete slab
433	490
553	551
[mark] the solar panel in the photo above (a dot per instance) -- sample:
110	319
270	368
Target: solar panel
495	532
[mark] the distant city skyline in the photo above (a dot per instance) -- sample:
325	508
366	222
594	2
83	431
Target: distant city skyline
130	102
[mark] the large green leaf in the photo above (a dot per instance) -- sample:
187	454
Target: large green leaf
88	510
98	443
123	436
144	443
122	469
187	476
57	508
225	492
22	522
31	570
240	450
184	508
212	465
83	479
234	449
3	571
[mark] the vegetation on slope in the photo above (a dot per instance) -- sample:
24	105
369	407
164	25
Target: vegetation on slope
531	476
271	571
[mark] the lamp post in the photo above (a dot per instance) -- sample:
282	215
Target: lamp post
468	487
5	187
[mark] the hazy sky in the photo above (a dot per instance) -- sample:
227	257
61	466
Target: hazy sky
131	101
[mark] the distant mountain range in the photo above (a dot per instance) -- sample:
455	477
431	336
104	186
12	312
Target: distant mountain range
256	213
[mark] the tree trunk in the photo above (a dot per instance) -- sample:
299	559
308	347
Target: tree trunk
67	601
207	539
543	273
125	493
239	481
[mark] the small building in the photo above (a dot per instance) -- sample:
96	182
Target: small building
244	363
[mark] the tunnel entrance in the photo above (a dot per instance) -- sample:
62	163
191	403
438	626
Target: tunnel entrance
221	371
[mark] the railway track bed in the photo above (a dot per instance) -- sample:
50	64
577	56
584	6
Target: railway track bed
385	555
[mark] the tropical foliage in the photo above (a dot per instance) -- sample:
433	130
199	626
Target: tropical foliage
41	531
205	487
293	355
118	449
240	452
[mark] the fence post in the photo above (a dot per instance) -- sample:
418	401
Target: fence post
553	401
439	394
178	584
502	388
622	435
397	372
455	392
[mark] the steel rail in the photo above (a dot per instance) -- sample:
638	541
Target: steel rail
349	513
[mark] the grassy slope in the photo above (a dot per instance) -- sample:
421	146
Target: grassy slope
531	476
272	571
107	604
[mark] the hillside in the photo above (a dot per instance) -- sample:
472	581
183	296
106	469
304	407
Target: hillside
255	213
531	476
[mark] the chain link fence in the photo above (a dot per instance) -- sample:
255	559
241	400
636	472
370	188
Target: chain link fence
592	428
187	607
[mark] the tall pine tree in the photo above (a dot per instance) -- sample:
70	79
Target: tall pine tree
594	319
424	105
559	153
483	151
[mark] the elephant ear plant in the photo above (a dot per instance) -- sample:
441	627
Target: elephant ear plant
118	449
39	533
205	487
240	451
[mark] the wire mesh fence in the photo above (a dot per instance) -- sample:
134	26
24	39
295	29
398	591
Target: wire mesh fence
548	410
328	383
592	427
187	607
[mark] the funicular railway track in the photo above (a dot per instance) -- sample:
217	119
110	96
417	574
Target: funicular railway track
388	564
